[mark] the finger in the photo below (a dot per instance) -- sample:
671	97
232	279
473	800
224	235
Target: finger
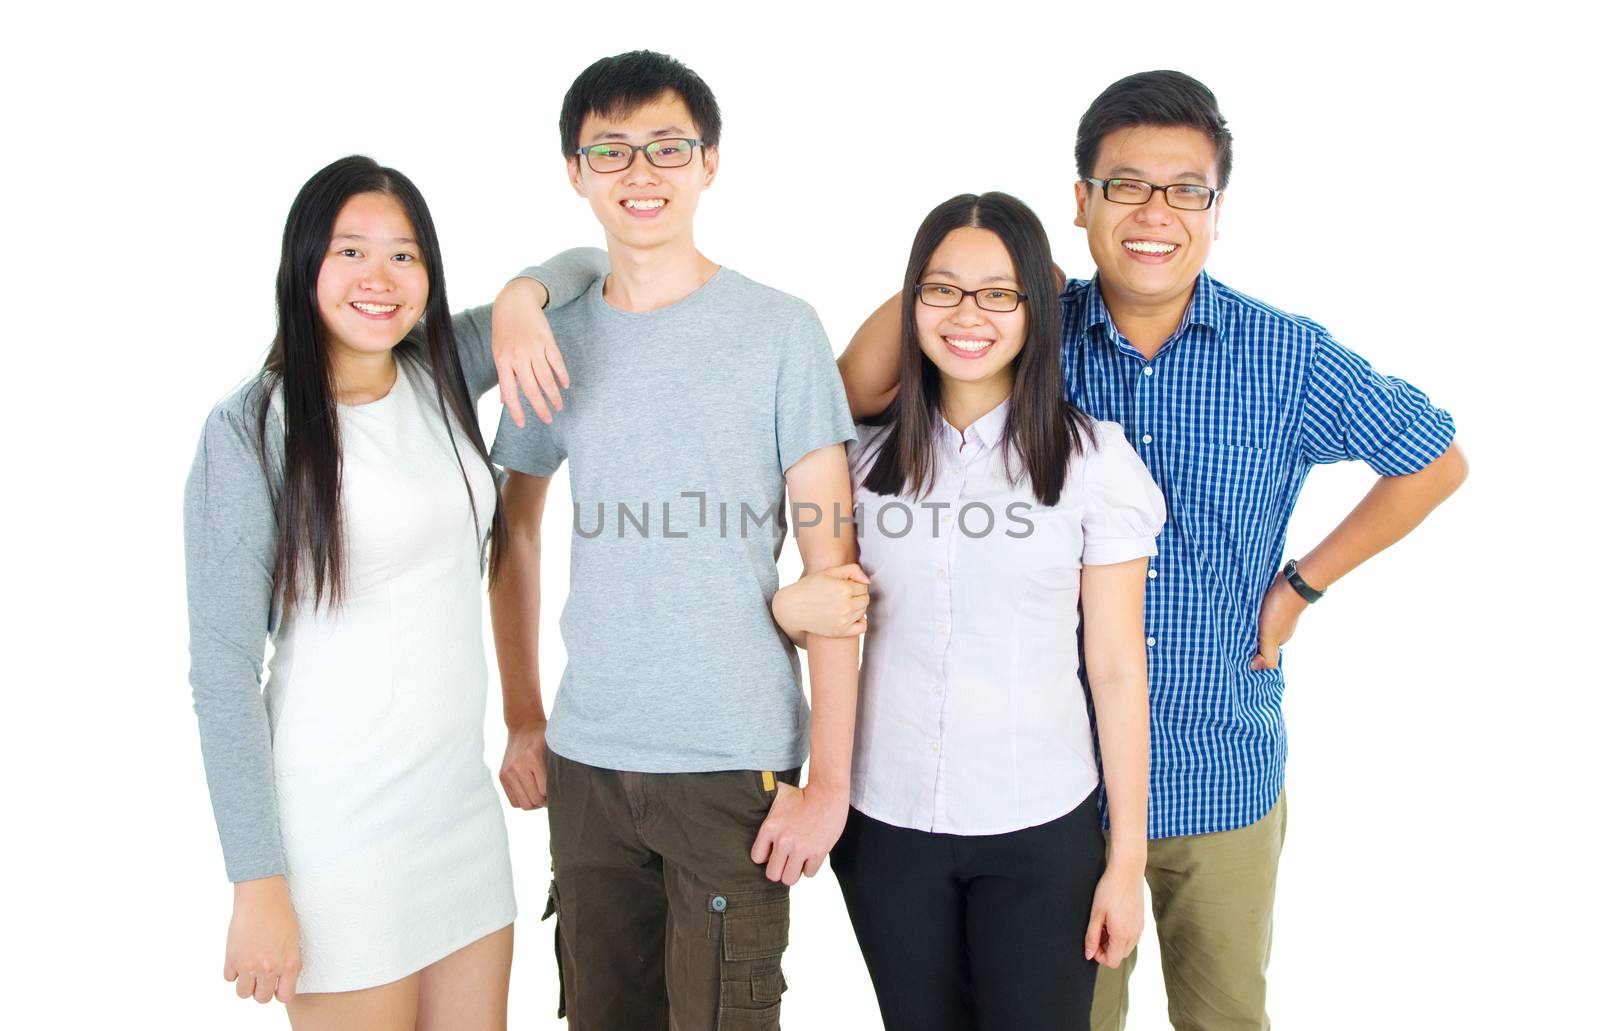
762	849
857	628
245	986
856	573
552	354
775	864
286	984
547	383
230	973
1091	938
813	865
530	389
514	793
508	392
266	987
541	794
791	870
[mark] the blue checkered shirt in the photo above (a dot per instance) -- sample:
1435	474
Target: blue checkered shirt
1230	415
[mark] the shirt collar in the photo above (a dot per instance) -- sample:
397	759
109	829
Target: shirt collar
984	433
1204	310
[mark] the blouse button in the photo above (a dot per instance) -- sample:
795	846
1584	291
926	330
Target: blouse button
1149	642
1151	574
1148	371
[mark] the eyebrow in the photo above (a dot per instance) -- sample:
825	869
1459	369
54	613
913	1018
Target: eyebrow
363	239
671	130
987	279
1129	172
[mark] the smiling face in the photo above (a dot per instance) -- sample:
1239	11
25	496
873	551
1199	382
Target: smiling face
1150	254
372	286
642	206
966	342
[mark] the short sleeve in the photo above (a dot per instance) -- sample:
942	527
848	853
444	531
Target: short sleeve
230	536
1124	510
531	448
1351	412
811	410
570	274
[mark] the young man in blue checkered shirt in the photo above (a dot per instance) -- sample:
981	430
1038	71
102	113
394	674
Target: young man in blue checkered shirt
1230	403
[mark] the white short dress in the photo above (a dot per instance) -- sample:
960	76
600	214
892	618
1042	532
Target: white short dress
392	828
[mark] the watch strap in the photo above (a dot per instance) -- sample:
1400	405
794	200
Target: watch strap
1291	573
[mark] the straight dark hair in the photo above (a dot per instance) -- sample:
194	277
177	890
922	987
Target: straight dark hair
1042	430
615	87
1154	98
307	503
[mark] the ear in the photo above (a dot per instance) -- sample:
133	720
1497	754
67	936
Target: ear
713	158
1080	190
575	176
1216	215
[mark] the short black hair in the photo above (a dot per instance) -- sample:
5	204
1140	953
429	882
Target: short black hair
1154	98
615	87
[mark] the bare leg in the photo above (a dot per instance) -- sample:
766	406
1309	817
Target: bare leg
388	1007
466	991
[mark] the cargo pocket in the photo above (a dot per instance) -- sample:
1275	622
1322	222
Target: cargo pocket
552	908
752	928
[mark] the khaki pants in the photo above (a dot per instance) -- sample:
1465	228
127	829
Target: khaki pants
663	922
1212	896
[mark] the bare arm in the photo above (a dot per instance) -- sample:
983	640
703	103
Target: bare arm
1394	507
870	366
1114	658
804	823
514	610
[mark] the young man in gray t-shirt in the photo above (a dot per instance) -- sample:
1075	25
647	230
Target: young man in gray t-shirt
694	397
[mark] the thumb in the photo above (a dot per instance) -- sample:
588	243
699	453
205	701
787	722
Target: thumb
855	572
1091	940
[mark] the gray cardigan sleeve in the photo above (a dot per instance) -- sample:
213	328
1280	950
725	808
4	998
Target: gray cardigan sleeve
229	533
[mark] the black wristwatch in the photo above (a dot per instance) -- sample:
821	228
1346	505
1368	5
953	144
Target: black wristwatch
1291	573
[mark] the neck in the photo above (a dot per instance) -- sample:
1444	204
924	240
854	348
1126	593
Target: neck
361	377
648	279
965	402
1146	322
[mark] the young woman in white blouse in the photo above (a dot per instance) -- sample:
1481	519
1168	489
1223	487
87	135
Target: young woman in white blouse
973	865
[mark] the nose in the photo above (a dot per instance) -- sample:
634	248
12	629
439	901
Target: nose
376	278
1156	209
639	171
967	313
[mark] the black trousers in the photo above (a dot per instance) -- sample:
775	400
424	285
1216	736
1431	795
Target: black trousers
975	932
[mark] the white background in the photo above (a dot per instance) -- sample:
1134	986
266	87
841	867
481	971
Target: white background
1420	180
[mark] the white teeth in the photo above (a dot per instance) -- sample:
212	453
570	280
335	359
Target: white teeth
1149	247
374	309
644	205
968	345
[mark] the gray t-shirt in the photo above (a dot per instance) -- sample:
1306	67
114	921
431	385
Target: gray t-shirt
679	426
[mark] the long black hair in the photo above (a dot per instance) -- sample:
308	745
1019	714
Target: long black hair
1041	430
311	542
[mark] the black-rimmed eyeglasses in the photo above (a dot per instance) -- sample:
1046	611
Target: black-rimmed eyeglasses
991	298
614	157
1183	196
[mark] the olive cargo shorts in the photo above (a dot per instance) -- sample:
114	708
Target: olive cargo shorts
662	920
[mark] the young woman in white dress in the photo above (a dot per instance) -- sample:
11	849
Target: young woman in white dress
339	505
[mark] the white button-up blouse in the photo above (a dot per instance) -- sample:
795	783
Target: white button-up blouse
972	719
